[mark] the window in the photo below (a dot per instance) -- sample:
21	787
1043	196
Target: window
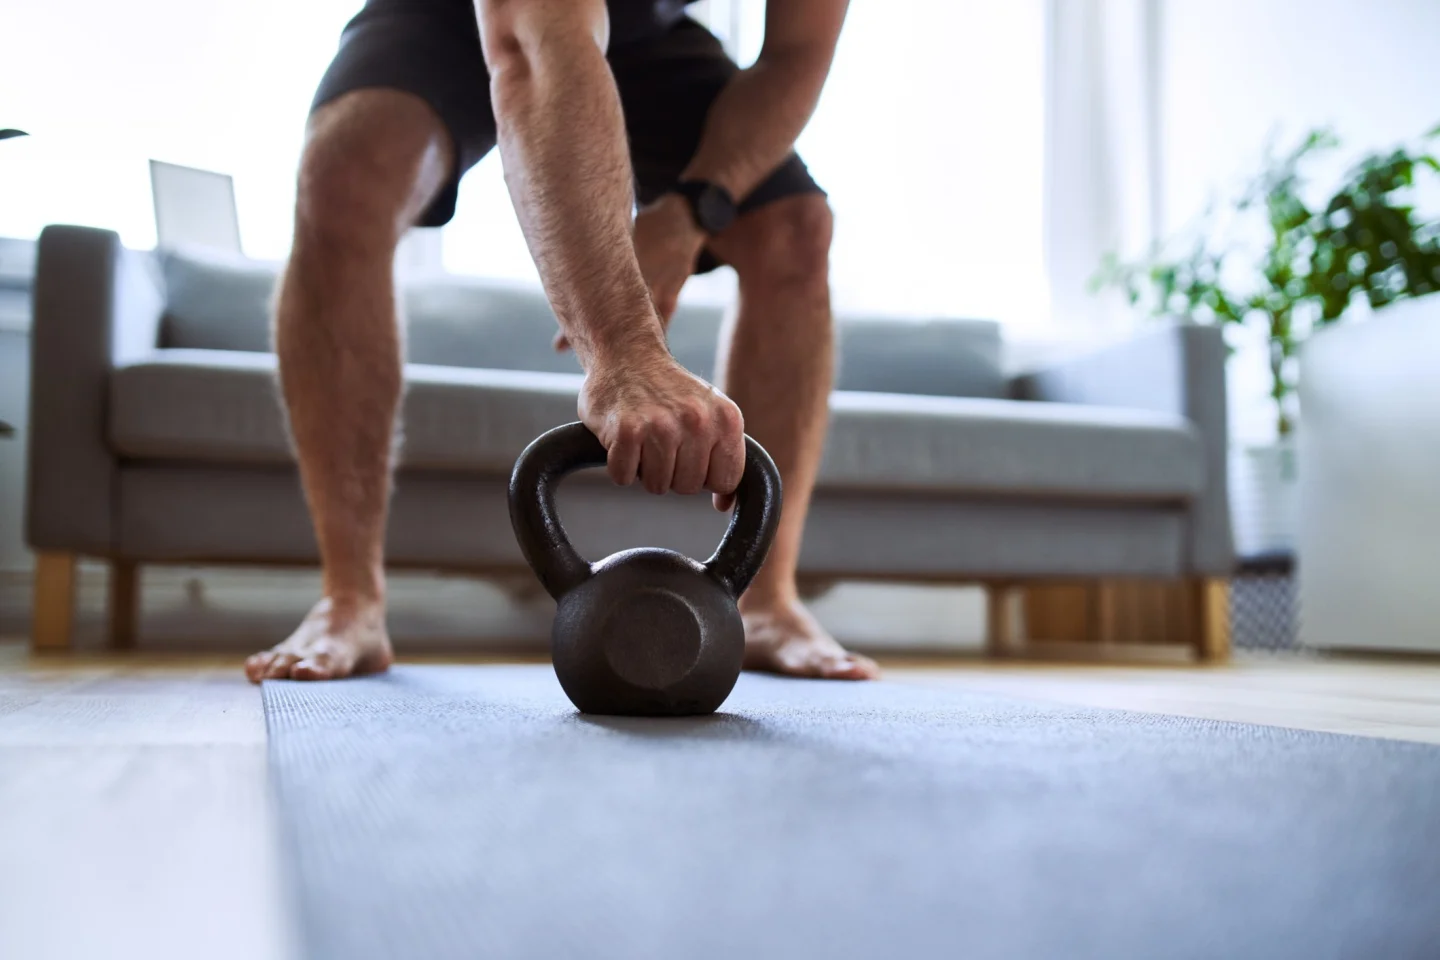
929	140
105	87
484	239
928	137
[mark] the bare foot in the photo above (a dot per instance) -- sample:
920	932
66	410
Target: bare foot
327	646
785	638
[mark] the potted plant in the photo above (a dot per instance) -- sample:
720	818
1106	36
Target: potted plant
1275	261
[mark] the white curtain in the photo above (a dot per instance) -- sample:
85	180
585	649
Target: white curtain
1102	190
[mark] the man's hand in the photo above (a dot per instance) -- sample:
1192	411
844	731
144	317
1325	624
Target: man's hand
664	425
667	244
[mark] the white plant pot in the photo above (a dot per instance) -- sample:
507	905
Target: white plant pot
1264	498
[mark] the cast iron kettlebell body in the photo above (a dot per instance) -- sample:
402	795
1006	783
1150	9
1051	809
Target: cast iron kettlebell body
644	632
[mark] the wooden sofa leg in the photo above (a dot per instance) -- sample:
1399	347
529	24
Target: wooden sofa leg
1000	632
1212	626
53	615
124	603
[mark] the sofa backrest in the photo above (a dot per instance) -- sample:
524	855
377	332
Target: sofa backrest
218	303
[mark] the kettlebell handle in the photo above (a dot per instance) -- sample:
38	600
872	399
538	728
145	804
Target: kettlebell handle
566	449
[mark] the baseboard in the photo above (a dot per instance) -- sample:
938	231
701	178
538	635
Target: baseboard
1127	653
229	608
243	608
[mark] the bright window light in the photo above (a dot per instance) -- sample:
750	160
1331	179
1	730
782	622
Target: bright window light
103	88
929	141
928	137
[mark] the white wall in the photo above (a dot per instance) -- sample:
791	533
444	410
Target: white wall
1233	71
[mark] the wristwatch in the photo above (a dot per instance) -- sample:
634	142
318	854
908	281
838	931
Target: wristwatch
710	204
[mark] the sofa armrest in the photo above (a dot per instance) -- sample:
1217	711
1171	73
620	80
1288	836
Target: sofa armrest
95	304
1174	369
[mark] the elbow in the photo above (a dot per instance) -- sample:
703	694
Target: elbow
809	62
515	35
503	39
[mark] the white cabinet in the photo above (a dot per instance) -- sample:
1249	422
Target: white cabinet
1369	473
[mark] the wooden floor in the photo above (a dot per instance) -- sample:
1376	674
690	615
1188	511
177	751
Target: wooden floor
134	815
1394	699
134	820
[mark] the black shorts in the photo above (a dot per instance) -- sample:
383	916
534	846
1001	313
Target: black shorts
668	75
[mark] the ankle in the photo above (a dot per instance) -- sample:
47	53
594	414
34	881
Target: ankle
350	598
767	596
349	615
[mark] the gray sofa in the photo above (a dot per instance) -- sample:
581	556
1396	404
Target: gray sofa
156	437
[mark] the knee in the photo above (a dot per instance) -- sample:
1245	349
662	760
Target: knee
340	204
792	245
360	182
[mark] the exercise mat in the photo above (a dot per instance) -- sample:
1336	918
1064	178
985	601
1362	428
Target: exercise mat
469	811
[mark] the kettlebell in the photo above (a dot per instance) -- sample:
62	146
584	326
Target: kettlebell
648	631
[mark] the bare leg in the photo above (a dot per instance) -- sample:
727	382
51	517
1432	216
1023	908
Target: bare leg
373	159
777	363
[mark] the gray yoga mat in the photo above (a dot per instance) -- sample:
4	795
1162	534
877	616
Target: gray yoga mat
449	812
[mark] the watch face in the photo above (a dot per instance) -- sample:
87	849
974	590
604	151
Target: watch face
715	209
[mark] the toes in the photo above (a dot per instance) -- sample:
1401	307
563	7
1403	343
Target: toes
279	668
869	669
850	666
792	660
799	663
312	668
321	665
806	660
257	665
326	645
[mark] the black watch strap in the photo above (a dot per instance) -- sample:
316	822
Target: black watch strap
711	205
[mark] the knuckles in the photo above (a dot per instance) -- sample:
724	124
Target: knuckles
693	416
665	432
630	433
728	420
654	438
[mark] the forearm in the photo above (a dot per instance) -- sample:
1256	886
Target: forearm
754	123
562	142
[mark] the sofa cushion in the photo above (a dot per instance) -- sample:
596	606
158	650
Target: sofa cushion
220	302
214	301
458	321
944	357
978	445
222	407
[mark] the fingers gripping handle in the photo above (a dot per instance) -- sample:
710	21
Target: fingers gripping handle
537	473
572	447
747	540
